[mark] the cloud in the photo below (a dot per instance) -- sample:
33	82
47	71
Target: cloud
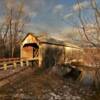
68	15
33	14
67	34
81	5
58	8
35	5
30	12
70	29
1	19
76	7
32	7
41	27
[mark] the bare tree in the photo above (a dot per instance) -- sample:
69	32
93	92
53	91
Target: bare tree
91	56
14	22
84	27
92	37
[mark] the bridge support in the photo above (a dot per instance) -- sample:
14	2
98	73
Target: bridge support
21	63
27	63
15	65
5	66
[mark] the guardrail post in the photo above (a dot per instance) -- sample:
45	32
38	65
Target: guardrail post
21	63
14	64
27	63
40	62
5	66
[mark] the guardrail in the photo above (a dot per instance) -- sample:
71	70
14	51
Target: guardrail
6	63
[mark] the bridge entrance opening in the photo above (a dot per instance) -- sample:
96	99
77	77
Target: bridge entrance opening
30	50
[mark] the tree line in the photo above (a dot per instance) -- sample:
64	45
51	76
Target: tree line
12	29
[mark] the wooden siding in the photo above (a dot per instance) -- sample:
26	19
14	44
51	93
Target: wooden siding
27	46
27	52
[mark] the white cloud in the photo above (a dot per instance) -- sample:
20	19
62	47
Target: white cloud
76	7
29	12
70	30
33	14
66	34
42	27
68	15
35	5
58	8
80	5
30	27
90	28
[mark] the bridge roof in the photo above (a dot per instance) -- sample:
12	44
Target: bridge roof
29	38
53	41
48	40
32	34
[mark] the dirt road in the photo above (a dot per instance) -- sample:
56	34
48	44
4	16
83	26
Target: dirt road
44	85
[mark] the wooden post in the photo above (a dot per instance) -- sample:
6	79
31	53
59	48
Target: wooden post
64	54
5	66
39	62
21	63
27	63
14	64
40	57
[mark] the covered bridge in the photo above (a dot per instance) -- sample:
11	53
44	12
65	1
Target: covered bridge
48	51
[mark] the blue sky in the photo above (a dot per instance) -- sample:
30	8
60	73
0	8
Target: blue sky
53	16
50	15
